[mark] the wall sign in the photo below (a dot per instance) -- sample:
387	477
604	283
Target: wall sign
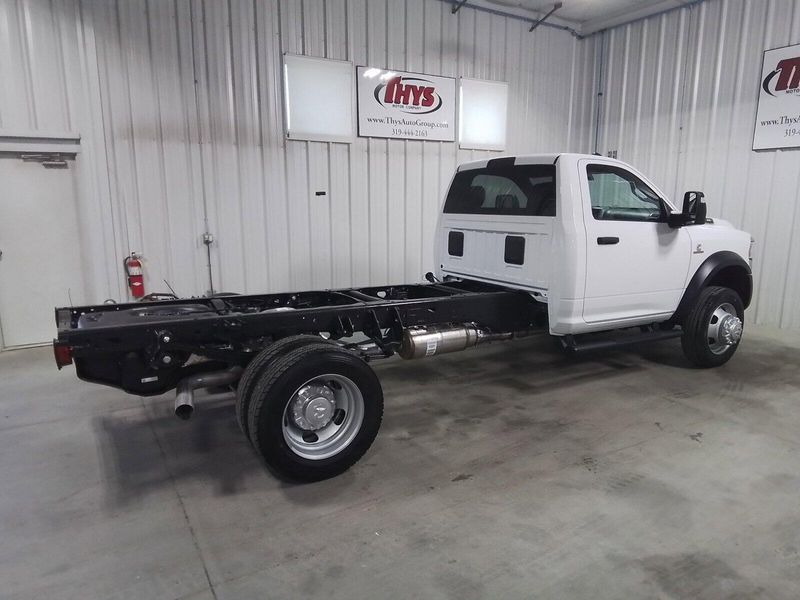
395	104
778	115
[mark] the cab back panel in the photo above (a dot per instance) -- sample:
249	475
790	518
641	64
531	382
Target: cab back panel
497	223
510	250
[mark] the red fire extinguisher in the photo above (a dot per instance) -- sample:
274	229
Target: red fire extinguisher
133	270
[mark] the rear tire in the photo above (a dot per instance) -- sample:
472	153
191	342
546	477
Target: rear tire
314	412
253	372
712	330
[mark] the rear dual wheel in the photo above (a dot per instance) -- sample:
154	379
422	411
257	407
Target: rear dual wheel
259	364
313	409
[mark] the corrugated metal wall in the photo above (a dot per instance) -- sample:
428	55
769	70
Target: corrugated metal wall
48	85
179	106
679	102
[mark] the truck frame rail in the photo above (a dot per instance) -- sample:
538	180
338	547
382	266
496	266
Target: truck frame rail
147	348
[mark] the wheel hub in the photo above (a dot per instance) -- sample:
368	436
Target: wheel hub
731	329
313	407
323	416
724	329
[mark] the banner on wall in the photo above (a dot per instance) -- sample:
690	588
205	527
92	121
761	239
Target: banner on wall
778	115
400	105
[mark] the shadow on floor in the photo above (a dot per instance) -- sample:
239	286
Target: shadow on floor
144	451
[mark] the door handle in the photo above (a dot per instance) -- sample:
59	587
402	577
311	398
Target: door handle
607	241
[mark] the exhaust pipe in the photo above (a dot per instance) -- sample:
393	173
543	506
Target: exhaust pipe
184	398
421	342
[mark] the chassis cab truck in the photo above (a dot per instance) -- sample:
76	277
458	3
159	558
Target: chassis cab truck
580	247
599	244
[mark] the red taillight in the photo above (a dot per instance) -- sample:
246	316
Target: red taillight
63	354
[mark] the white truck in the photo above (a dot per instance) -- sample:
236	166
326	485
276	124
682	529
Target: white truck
580	247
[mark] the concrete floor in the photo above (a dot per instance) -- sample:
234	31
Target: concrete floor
504	472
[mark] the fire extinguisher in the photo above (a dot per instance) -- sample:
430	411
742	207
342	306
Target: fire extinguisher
133	270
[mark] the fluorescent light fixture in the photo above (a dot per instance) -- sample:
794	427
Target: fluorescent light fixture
373	72
483	109
319	99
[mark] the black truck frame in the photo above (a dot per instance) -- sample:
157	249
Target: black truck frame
145	348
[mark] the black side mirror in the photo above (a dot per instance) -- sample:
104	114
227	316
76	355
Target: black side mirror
701	210
675	220
694	211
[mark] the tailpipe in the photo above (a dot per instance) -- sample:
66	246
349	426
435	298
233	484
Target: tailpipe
184	398
421	342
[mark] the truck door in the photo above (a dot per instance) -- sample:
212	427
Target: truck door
636	265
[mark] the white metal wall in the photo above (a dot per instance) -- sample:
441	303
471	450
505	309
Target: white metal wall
679	102
179	106
48	85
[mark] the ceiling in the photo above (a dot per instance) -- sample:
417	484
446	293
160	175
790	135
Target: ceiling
584	16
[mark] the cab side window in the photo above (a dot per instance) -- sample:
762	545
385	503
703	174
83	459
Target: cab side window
618	195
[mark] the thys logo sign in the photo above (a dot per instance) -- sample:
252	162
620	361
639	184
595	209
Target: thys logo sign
785	78
412	95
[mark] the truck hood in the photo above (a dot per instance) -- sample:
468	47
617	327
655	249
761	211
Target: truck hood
722	223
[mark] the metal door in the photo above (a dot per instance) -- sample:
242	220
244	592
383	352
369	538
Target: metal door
39	245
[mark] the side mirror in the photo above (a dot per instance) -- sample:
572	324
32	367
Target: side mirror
694	211
675	220
701	210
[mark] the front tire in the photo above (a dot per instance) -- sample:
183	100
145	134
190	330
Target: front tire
314	412
713	329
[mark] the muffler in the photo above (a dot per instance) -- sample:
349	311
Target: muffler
184	398
421	342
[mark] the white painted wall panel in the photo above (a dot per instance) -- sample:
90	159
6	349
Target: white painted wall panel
179	105
679	102
180	108
48	69
375	223
150	125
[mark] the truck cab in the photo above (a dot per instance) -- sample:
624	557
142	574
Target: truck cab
590	236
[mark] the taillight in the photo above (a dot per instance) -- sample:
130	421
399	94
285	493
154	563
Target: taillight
62	353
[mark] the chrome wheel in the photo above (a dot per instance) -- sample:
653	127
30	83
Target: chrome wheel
323	416
724	328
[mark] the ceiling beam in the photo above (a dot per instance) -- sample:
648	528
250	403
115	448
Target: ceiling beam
635	14
457	6
512	11
556	6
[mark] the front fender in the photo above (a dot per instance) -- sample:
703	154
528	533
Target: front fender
726	269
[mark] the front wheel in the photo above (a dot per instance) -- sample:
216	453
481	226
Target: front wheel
314	412
713	328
